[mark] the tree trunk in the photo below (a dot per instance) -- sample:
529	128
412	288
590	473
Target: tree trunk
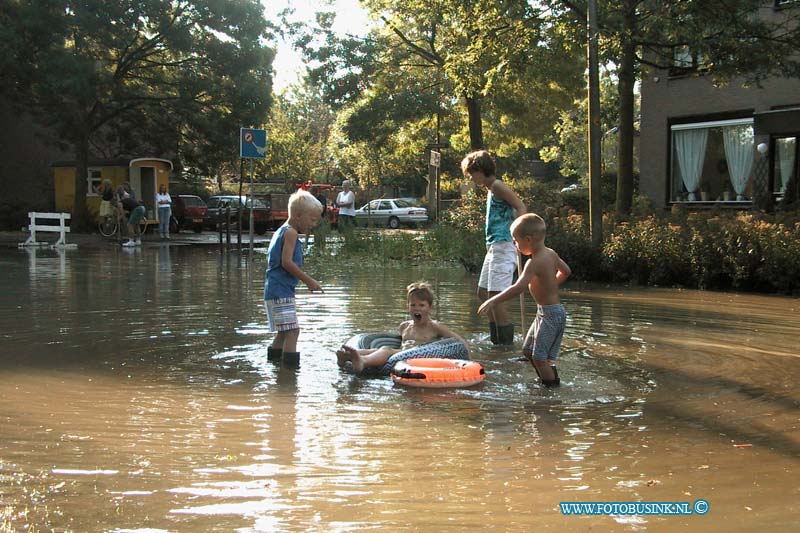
627	78
80	215
475	123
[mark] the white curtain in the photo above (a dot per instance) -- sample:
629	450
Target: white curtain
738	142
786	159
690	146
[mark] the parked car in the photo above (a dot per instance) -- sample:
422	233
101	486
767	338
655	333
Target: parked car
391	212
573	187
218	208
189	211
416	202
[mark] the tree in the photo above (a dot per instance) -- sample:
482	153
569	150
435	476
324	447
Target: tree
102	66
427	56
298	132
570	149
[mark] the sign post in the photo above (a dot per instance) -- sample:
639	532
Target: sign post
434	161
252	145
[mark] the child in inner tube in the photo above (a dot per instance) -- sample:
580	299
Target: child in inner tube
415	332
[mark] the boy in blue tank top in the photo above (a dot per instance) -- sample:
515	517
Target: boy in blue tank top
284	269
497	273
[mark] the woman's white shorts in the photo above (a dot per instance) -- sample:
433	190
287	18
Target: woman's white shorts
499	264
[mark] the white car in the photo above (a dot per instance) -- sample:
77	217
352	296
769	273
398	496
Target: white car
573	187
391	212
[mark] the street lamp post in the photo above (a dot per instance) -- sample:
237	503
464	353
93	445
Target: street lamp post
595	205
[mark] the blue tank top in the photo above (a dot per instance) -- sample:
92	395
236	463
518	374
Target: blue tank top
279	283
499	216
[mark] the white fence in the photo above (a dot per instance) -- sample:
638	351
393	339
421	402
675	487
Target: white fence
61	227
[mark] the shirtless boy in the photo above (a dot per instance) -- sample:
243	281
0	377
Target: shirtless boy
543	274
417	331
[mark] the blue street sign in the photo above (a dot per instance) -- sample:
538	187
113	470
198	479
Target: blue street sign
253	143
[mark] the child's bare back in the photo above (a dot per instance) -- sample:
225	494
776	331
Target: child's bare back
543	286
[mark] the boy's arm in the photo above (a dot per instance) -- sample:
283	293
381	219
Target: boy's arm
444	332
563	271
289	242
522	281
505	193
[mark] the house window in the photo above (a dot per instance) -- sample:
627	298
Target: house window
682	57
686	61
712	161
785	161
94	180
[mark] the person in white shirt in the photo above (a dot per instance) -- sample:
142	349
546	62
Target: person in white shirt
346	200
164	203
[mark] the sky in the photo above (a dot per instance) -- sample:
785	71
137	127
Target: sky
289	66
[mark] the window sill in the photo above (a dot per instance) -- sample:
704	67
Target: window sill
677	73
700	204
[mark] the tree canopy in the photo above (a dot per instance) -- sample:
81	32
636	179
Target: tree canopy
133	74
462	61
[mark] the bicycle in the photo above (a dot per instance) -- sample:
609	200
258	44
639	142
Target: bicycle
109	224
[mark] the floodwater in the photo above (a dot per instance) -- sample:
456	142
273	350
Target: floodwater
135	395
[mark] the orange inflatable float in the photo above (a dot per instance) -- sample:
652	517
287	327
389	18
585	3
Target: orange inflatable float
437	373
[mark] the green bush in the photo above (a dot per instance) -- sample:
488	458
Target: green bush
570	237
647	251
539	197
460	236
465	245
707	252
781	267
713	250
577	200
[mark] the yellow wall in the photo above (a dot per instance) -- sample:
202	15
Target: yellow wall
64	183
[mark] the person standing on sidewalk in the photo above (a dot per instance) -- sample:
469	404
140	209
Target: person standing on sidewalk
164	203
346	200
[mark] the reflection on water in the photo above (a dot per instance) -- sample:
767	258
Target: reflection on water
135	394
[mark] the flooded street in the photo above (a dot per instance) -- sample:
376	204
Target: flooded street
136	395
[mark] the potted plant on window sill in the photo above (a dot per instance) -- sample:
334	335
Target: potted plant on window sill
727	192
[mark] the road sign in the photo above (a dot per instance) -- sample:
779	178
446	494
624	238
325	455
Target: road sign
252	143
436	159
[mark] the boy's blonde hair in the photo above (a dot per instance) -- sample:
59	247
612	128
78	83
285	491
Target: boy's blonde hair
302	202
421	290
481	161
529	225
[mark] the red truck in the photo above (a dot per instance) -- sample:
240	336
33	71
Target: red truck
331	211
278	204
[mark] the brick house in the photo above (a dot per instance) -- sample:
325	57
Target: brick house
703	145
